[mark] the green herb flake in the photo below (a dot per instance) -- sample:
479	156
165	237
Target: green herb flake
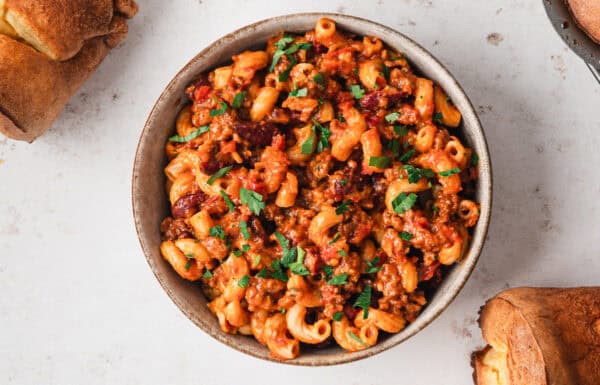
189	256
245	247
253	200
217	232
341	118
415	174
435	209
335	239
256	260
357	338
337	316
372	266
394	146
437	117
474	160
403	202
386	71
188	264
237	252
238	100
364	301
190	136
450	172
207	274
280	44
277	271
263	273
406	236
407	155
219	111
357	91
308	147
244	230
343	207
328	270
244	281
298	267
343	182
299	92
342	253
392	117
228	201
379	161
219	174
319	79
401	129
337	280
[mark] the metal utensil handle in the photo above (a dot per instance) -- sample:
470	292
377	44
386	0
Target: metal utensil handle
595	72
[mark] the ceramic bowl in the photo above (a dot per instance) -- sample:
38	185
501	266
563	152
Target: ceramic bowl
150	203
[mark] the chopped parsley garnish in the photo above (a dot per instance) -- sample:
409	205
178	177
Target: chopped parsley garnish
263	273
379	161
244	229
217	232
189	256
415	174
288	255
437	117
309	144
207	274
319	79
237	252
219	174
356	338
357	91
328	270
343	207
281	50
238	99
372	266
219	111
403	202
337	316
245	247
227	201
280	44
452	171
256	260
188	264
252	199
190	136
392	117
435	209
407	155
401	129
343	182
244	281
394	146
277	271
474	160
386	71
299	92
364	301
324	137
406	236
342	253
341	279
298	266
341	118
335	238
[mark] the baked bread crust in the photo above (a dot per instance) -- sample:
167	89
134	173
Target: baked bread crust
550	336
586	14
34	87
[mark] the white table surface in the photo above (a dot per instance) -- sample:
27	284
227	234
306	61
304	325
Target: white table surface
78	303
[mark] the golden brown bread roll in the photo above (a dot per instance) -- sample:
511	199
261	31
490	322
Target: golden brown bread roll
540	336
34	87
586	14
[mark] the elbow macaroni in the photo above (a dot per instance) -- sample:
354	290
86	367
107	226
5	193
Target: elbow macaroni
310	175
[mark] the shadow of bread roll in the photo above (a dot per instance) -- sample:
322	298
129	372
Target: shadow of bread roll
540	336
48	48
586	14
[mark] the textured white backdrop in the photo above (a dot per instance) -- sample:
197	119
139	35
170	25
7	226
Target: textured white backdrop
78	303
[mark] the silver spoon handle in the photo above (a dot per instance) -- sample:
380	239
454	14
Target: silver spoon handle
595	72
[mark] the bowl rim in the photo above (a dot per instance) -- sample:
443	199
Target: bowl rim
474	249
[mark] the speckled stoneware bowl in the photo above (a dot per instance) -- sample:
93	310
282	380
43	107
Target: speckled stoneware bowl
150	199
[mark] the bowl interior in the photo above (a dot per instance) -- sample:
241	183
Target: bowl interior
150	199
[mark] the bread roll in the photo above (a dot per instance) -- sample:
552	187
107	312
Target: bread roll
540	336
586	14
48	48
